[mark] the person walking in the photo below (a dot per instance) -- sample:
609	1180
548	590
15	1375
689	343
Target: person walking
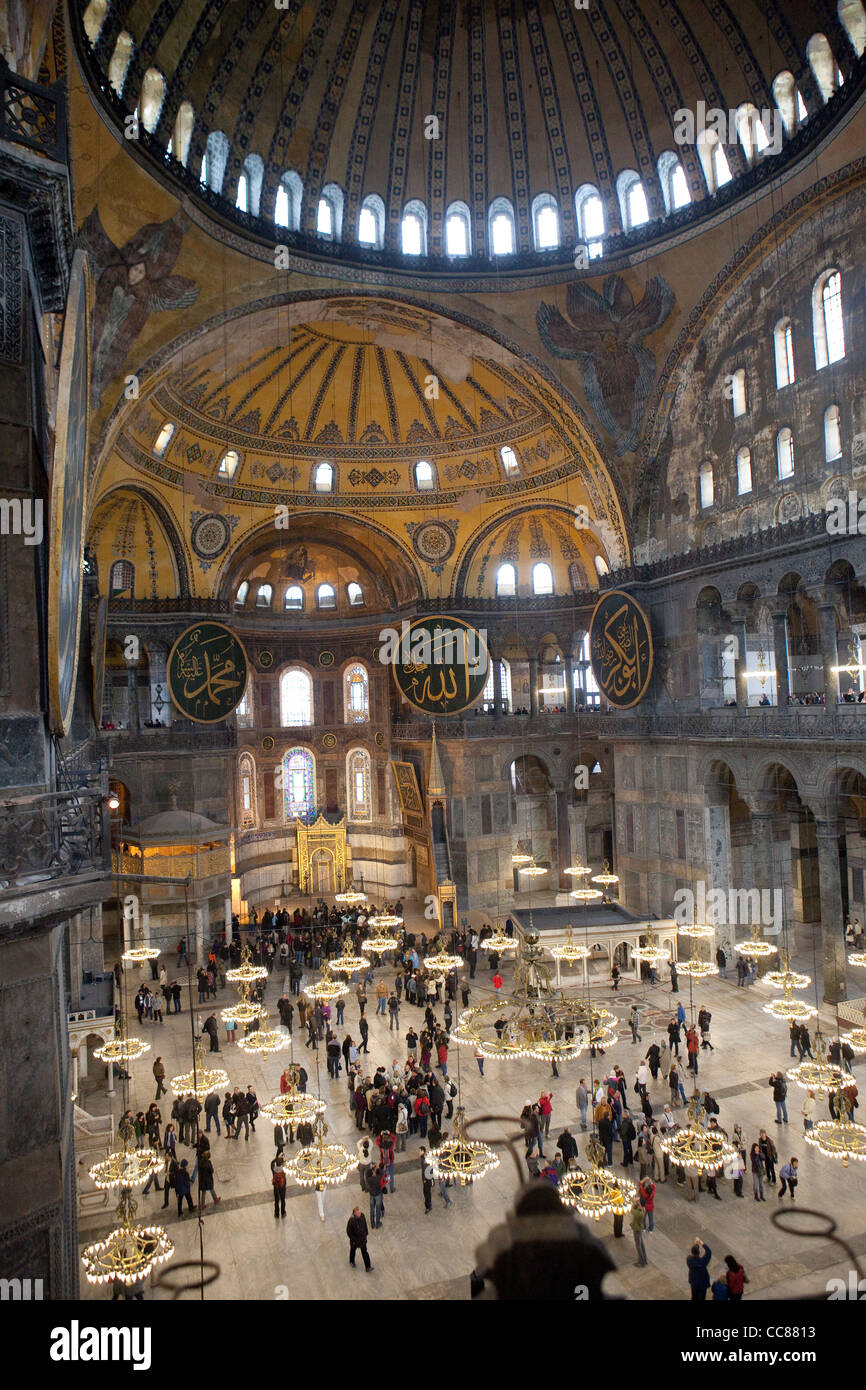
212	1111
637	1223
704	1019
722	963
159	1076
363	1029
736	1278
357	1231
807	1110
183	1187
545	1107
206	1180
634	1020
789	1175
647	1198
769	1155
756	1163
497	984
393	1012
479	1057
582	1097
697	1262
426	1180
278	1180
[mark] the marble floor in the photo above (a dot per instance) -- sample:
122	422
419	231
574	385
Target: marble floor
421	1257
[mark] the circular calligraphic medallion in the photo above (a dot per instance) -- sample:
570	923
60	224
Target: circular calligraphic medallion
266	660
433	541
267	744
440	664
329	740
621	649
210	536
207	672
326	658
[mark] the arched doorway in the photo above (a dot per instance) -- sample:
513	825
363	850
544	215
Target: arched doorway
322	872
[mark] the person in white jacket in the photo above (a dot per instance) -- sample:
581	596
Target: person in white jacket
807	1110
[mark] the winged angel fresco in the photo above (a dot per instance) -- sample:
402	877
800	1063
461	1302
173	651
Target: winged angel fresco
132	282
605	333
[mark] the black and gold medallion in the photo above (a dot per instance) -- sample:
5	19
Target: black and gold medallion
207	672
440	665
621	649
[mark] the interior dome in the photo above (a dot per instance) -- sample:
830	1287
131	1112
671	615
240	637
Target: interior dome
304	116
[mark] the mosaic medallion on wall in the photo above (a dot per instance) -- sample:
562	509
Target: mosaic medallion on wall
433	541
329	740
378	738
207	672
266	660
621	649
210	535
267	744
326	658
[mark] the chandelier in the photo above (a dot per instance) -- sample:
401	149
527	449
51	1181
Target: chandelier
585	895
785	977
856	1039
121	1050
500	942
577	870
384	920
606	878
244	1012
532	870
699	930
352	897
129	1252
262	1042
839	1138
570	951
347	963
321	1165
756	945
520	856
201	1080
653	952
789	1009
697	1148
440	962
696	968
596	1191
857	958
140	952
293	1106
327	989
818	1075
246	973
458	1157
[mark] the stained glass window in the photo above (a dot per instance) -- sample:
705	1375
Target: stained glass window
357	695
247	790
299	784
358	784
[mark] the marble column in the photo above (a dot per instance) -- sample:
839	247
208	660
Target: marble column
740	663
228	917
577	835
533	685
780	651
832	925
497	686
829	653
200	928
132	688
569	685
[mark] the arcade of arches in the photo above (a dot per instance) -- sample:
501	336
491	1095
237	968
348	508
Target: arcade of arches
338	375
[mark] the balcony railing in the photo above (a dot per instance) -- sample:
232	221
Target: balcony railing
188	738
31	115
51	836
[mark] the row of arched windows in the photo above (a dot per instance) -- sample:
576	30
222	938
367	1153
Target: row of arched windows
295	779
295	596
296	696
785	458
541	578
750	135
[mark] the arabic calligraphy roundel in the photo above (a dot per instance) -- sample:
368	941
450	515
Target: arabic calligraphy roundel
207	672
621	649
441	664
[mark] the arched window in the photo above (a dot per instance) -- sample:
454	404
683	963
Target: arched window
852	17
94	18
413	229
163	438
788	100
356	694
152	97
265	596
355	595
216	158
371	221
751	130
287	207
510	462
744	471
244	709
674	184
601	566
329	214
785	453
586	691
545	222
828	327
296	698
506	581
358	784
542	578
632	200
119	64
241	595
739	404
294	598
589	212
323	477
823	65
458	237
299	784
122	578
500	228
832	434
487	695
783	346
229	464
182	133
713	160
247	790
250	184
326	596
424	478
705	485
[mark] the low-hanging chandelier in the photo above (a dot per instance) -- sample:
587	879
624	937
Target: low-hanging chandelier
246	973
201	1080
326	989
463	1159
347	964
696	1147
652	953
320	1165
293	1106
129	1252
785	977
596	1191
121	1050
841	1138
141	952
755	945
788	1009
818	1074
571	951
